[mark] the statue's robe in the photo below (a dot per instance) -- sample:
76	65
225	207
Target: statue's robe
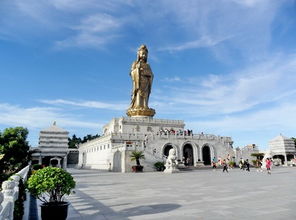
142	77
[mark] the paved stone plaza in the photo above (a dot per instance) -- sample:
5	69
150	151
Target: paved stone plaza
198	194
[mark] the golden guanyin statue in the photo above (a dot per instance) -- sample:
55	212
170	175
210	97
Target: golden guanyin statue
142	78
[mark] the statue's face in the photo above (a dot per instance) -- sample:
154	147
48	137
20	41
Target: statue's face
142	54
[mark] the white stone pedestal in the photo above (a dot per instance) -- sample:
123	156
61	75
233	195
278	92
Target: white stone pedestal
175	170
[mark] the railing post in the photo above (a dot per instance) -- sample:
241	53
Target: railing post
16	180
1	200
9	198
9	194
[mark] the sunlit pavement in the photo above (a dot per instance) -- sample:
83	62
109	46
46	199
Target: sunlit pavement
198	194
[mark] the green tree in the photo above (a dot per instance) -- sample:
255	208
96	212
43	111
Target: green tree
89	137
14	149
294	139
74	141
137	155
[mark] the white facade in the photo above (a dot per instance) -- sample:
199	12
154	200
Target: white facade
283	148
155	137
53	147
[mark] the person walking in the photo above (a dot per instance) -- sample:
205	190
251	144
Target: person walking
268	165
247	165
214	165
259	166
225	167
242	164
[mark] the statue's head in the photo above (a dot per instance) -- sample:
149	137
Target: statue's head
172	152
142	53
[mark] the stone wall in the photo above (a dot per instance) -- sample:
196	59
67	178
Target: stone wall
72	158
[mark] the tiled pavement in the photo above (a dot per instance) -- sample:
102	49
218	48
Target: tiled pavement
191	195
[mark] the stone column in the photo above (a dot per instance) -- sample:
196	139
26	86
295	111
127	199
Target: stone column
212	152
123	158
286	160
65	162
200	153
195	155
40	160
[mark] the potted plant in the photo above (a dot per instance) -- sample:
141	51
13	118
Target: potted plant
137	155
159	166
49	185
232	164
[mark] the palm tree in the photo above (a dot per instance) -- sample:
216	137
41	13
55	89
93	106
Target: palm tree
137	155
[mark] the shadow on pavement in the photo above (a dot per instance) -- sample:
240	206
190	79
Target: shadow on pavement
149	209
89	208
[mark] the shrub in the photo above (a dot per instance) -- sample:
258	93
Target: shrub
232	164
52	183
159	166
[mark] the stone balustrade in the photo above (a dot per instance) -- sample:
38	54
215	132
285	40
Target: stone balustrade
140	136
154	120
10	192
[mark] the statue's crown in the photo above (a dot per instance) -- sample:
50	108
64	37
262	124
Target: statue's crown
143	47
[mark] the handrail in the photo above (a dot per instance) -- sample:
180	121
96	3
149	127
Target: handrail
10	192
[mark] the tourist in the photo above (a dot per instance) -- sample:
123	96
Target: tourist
214	164
188	161
268	165
242	164
247	165
259	166
225	167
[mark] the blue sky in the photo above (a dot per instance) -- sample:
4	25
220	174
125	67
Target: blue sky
225	67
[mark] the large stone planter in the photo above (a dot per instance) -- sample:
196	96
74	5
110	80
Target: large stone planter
54	211
137	169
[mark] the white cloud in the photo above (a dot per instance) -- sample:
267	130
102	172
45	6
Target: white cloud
250	3
211	23
38	117
277	118
93	24
254	126
263	84
87	104
204	41
172	79
93	31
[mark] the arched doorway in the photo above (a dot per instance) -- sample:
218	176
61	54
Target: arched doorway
167	149
206	155
188	155
46	161
55	162
290	157
281	157
117	161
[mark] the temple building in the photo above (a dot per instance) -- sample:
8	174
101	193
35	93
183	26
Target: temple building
283	148
53	147
246	153
154	137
